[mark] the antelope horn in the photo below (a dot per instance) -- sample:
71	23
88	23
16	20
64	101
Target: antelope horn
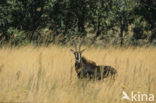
80	45
75	45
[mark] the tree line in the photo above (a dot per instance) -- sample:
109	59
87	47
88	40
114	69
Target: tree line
114	22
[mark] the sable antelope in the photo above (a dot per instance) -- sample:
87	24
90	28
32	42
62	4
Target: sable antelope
88	69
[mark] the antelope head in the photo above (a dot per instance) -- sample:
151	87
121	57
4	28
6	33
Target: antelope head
77	53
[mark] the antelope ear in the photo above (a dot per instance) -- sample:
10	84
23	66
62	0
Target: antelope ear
82	50
72	51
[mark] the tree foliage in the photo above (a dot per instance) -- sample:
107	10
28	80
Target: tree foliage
120	22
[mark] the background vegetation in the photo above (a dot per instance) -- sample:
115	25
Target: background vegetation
101	22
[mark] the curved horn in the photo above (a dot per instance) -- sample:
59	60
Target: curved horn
80	45
75	45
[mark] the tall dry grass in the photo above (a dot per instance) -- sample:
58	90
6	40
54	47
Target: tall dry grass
47	75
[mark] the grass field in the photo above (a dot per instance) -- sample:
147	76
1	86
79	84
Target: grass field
47	75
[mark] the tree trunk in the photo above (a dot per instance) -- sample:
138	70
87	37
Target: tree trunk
98	27
121	29
121	35
98	21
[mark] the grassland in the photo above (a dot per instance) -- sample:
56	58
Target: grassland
47	75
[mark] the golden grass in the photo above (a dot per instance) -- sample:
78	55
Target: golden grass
47	75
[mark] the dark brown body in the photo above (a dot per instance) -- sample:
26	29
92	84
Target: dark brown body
89	69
